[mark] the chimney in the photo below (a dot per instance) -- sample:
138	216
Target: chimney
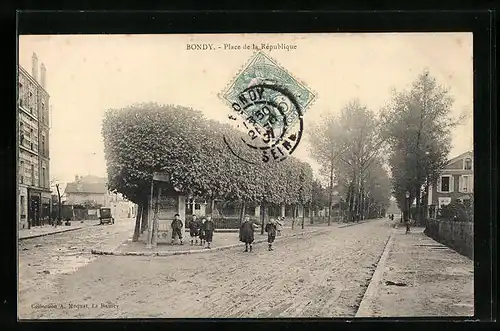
34	66
43	72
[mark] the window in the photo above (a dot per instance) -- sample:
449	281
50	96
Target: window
468	164
23	203
443	202
43	177
445	184
32	175
43	144
465	184
21	172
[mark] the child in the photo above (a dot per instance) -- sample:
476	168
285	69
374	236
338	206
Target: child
208	228
177	228
247	233
201	232
271	233
194	229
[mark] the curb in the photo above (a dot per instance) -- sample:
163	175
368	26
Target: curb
371	291
197	251
50	233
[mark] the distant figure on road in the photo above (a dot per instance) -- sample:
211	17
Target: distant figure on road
177	228
247	233
271	233
407	224
194	229
280	222
209	228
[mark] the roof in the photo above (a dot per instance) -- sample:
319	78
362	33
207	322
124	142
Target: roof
98	188
458	157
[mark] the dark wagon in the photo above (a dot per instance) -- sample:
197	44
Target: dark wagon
105	216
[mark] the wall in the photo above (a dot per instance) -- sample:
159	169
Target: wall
80	198
457	235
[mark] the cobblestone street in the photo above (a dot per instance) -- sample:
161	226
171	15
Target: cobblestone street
323	274
42	260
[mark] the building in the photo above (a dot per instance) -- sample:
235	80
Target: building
456	181
87	189
33	146
93	190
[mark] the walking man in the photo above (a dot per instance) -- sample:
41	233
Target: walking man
208	228
177	228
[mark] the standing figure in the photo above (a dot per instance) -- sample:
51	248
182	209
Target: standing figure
201	232
194	230
407	224
177	228
279	225
208	228
271	233
247	233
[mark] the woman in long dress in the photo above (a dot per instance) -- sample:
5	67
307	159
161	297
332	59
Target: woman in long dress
247	233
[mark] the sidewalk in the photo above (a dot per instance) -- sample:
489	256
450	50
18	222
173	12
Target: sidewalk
45	230
221	240
417	276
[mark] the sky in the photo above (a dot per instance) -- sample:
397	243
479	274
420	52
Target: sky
88	74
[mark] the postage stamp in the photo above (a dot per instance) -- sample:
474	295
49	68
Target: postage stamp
269	103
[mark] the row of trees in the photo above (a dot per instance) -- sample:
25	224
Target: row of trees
417	128
177	141
412	137
348	148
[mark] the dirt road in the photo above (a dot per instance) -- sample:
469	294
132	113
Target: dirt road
319	275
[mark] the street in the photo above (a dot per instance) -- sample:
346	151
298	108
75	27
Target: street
324	274
43	260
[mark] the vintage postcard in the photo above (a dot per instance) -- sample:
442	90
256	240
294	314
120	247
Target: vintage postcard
245	175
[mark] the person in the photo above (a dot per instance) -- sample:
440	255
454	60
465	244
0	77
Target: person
194	230
279	225
407	224
201	232
247	233
271	233
177	228
208	228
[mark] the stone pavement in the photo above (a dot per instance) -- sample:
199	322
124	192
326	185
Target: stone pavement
45	230
417	276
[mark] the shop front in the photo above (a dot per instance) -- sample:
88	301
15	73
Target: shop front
34	207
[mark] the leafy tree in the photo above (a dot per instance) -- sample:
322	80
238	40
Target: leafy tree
417	126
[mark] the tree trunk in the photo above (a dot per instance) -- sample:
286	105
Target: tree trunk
417	204
137	229
303	216
155	221
59	204
144	216
330	201
242	211
262	217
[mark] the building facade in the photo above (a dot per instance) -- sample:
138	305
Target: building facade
34	192
456	181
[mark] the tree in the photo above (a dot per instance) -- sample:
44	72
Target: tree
179	142
346	145
417	126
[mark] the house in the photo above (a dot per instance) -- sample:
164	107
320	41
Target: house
87	189
456	181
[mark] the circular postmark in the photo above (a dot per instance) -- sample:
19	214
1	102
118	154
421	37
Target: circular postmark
271	118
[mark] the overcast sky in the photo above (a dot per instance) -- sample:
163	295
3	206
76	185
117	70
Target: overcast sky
88	74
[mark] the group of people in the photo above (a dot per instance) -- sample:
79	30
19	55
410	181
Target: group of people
247	229
202	230
198	229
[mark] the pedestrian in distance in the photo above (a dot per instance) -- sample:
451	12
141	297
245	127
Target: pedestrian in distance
279	225
194	230
177	228
247	230
209	228
271	233
201	232
407	224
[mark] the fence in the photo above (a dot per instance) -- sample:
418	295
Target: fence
459	236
